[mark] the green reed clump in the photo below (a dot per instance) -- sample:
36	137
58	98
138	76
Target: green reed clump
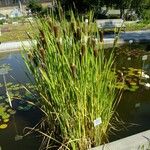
74	81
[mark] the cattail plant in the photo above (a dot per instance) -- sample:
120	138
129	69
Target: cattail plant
77	98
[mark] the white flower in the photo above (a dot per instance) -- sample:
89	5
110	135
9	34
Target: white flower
130	41
147	85
129	58
86	20
145	75
137	105
144	57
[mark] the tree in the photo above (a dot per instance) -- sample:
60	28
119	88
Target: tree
35	6
79	5
142	8
122	5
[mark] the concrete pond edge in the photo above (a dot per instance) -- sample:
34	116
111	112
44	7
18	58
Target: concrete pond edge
140	141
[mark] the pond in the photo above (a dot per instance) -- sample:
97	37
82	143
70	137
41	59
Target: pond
14	120
133	68
133	71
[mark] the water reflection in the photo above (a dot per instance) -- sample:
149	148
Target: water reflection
21	119
19	71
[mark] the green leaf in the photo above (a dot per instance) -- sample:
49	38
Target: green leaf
3	126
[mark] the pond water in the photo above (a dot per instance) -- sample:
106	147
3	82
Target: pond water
133	65
13	121
133	108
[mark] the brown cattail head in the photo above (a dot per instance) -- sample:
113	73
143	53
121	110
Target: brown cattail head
41	33
80	57
78	33
89	41
84	28
50	24
43	42
42	53
101	35
38	45
60	46
72	26
83	49
29	54
56	31
95	52
43	66
74	70
35	61
94	42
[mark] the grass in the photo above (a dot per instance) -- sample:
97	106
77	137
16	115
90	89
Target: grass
15	32
138	26
74	80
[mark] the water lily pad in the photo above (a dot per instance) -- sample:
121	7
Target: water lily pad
5	116
12	112
5	120
9	110
133	83
4	69
120	85
20	108
132	89
7	106
9	84
135	87
3	126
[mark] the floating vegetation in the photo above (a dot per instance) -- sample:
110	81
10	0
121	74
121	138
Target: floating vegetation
4	69
18	93
147	86
126	51
5	114
130	78
3	126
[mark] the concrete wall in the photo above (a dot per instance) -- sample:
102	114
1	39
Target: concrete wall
140	141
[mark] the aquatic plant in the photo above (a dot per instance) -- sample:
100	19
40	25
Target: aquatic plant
127	51
18	95
22	93
74	80
4	69
5	113
131	78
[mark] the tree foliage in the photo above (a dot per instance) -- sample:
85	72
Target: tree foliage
35	6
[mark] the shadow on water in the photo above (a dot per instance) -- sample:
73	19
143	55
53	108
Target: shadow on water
22	118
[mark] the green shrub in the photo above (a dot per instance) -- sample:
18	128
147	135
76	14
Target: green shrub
2	21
